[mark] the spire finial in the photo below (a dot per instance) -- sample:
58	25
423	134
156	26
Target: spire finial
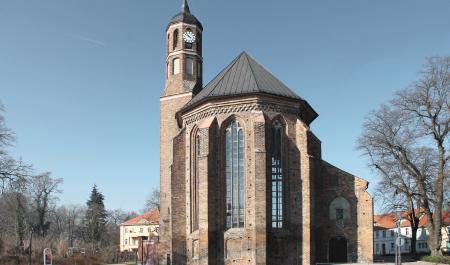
185	7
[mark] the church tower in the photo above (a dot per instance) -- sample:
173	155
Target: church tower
184	54
184	75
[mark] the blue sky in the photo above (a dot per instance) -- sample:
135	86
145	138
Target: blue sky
81	79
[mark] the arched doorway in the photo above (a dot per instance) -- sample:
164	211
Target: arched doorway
337	251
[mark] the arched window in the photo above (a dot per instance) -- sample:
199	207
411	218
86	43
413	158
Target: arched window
235	176
195	184
189	66
168	42
199	69
175	66
199	43
277	176
339	209
175	39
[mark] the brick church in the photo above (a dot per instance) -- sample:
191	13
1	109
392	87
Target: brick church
242	178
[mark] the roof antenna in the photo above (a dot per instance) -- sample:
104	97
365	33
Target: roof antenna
185	7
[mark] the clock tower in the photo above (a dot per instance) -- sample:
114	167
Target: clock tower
184	61
184	76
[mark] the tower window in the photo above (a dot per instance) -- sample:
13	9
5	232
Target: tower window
175	39
199	43
235	178
199	69
175	66
277	177
190	66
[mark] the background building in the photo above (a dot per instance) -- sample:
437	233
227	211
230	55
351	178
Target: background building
142	227
385	233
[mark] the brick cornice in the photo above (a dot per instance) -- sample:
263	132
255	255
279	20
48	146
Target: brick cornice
238	106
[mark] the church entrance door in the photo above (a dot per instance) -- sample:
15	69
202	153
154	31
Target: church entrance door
338	249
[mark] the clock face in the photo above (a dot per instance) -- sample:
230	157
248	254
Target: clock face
189	37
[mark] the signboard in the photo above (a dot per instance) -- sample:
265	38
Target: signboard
48	257
400	241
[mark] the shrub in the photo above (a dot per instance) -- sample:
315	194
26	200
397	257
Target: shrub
435	259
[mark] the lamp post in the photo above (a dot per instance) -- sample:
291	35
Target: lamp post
142	250
399	241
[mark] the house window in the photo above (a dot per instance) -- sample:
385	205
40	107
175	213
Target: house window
189	66
377	248
126	241
384	234
195	185
277	177
392	246
141	230
175	39
407	231
235	175
392	233
376	234
126	230
175	66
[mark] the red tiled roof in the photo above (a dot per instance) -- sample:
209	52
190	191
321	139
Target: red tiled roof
445	218
151	217
387	221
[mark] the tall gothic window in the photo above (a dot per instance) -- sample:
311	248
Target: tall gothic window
277	176
196	184
175	39
235	177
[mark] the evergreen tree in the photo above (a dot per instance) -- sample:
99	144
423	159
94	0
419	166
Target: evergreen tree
95	219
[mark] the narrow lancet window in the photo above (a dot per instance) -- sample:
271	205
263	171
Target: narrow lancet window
277	177
235	176
175	66
196	185
189	66
175	39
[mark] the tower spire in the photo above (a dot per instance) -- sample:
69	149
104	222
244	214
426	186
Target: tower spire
185	7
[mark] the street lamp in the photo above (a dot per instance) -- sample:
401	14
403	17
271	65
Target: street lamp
399	240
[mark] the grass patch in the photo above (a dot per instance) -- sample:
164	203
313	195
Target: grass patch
444	260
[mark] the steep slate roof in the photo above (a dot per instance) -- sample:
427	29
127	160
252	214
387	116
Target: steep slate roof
150	217
185	16
243	76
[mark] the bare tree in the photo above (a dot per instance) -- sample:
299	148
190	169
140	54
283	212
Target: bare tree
11	170
407	143
152	200
43	189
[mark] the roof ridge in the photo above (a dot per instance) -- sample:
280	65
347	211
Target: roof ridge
251	69
290	91
223	73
